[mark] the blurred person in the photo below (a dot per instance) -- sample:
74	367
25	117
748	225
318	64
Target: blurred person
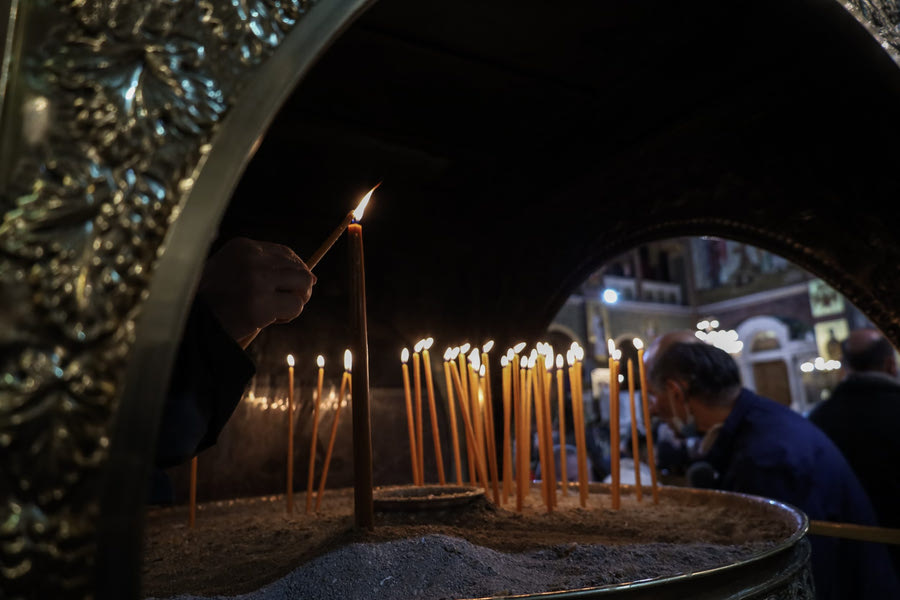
861	416
754	445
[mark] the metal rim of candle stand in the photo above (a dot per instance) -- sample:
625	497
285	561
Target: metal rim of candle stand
411	498
782	567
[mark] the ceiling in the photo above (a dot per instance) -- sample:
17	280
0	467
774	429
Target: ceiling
520	144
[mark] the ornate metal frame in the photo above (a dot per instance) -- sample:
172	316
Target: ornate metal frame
124	127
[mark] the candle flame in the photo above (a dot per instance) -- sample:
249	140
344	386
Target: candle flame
519	347
428	343
361	207
487	347
475	358
404	356
290	359
465	347
532	360
482	370
320	361
611	345
448	353
579	353
570	357
548	361
348	360
504	362
454	353
559	361
510	355
638	344
419	345
540	348
523	362
533	356
573	345
618	355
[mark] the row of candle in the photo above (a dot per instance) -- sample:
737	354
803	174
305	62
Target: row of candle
527	398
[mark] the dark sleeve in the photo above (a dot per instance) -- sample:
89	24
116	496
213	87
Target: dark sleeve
208	380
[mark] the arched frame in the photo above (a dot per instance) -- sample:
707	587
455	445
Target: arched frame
124	127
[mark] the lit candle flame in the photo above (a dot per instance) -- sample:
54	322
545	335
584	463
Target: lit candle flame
510	355
611	345
320	361
548	361
404	356
638	344
475	358
455	353
504	362
570	357
428	343
618	355
532	360
482	370
533	356
487	347
348	360
290	359
540	348
448	353
465	347
419	345
559	361
579	353
519	347
361	207
523	362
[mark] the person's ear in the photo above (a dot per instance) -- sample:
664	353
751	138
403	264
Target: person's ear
675	391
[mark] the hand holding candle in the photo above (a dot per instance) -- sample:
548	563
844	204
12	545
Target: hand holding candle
342	226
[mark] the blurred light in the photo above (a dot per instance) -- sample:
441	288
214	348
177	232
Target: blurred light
610	296
807	367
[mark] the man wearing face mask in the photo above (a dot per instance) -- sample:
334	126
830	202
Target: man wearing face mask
754	445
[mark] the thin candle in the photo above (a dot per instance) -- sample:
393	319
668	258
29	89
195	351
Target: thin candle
454	431
521	458
435	433
507	450
563	455
345	384
614	423
290	450
420	443
489	427
645	401
537	388
635	445
463	401
193	494
548	424
320	362
578	423
410	419
363	501
476	401
477	459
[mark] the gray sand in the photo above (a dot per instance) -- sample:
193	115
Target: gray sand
440	567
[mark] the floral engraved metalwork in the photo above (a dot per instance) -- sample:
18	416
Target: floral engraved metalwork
120	103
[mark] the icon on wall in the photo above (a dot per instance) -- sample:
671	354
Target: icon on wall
829	335
824	300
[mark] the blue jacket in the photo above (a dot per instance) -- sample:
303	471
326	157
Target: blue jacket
766	449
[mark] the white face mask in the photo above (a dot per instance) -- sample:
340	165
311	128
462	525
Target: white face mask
682	426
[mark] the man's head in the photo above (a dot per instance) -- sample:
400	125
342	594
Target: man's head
692	380
866	350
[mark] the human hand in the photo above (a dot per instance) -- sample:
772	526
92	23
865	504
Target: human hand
251	284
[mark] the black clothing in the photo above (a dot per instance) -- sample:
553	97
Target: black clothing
209	376
861	417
